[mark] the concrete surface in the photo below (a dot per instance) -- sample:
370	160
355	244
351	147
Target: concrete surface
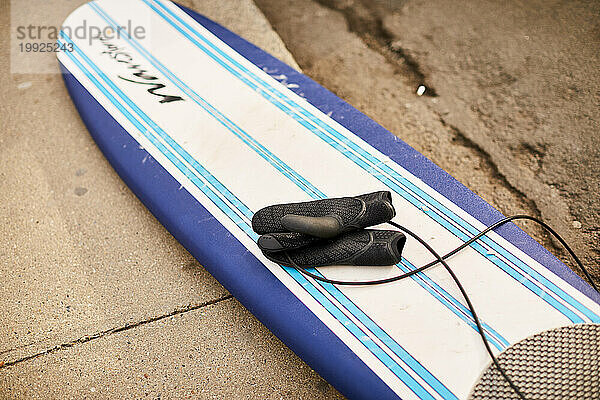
99	301
216	352
95	294
511	107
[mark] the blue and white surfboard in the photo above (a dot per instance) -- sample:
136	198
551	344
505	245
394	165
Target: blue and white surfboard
206	129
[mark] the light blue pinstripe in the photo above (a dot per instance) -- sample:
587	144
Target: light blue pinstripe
441	295
394	367
372	165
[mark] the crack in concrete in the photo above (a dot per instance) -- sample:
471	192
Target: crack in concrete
366	22
494	172
126	327
363	22
492	167
23	346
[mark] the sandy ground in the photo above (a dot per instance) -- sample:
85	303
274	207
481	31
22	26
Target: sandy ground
100	301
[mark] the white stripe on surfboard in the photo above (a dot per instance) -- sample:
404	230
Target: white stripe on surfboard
417	377
453	304
199	25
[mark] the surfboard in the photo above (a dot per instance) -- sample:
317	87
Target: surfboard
205	128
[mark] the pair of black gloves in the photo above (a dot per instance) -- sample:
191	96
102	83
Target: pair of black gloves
330	232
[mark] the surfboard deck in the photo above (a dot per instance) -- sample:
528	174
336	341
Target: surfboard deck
206	129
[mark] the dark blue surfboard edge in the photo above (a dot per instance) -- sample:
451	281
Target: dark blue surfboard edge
395	148
240	272
350	375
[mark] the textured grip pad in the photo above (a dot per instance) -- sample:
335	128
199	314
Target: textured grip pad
285	241
559	364
351	213
364	247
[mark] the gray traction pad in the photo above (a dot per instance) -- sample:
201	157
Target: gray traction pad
558	364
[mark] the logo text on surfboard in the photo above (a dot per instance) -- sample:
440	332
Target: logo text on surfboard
139	75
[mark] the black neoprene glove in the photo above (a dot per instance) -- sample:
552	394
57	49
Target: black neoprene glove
329	231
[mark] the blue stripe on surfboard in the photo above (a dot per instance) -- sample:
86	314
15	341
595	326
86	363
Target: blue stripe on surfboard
168	201
528	284
225	121
563	295
280	165
442	296
396	369
203	187
466	231
445	298
369	344
516	275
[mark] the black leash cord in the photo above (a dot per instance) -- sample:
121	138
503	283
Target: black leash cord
471	308
441	260
456	250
